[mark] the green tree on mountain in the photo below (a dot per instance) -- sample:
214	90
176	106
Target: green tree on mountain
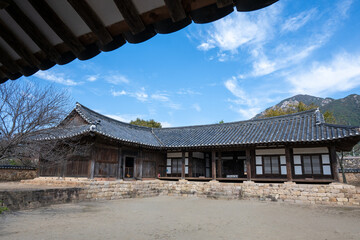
295	108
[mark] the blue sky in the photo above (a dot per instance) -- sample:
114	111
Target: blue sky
227	70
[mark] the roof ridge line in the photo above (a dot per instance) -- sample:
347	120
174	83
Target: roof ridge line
248	121
157	138
112	119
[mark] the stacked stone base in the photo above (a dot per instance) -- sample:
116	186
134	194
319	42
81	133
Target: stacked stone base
332	194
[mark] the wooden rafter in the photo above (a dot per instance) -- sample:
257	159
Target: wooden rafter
34	33
176	10
18	46
223	3
7	62
92	20
59	27
130	15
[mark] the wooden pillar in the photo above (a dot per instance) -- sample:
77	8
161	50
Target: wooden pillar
248	164
183	165
219	174
289	160
190	164
253	163
141	164
92	167
123	165
334	163
119	172
213	165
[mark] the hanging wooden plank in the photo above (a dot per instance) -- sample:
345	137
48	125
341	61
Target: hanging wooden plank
34	33
92	20
130	15
223	3
58	26
17	45
176	10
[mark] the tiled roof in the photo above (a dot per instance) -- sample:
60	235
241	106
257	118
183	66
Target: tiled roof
303	127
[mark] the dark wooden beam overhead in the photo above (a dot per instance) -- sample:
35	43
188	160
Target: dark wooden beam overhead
18	46
92	20
7	62
130	15
223	3
34	33
4	4
176	10
59	27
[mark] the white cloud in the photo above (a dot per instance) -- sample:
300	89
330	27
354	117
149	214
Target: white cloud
342	73
118	93
188	92
197	107
294	23
57	78
239	29
141	95
92	78
116	79
160	97
124	117
166	124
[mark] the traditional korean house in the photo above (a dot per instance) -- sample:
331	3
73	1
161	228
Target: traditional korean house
298	147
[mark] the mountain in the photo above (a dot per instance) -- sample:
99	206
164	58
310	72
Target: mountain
346	110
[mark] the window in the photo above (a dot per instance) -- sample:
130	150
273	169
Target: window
270	165
174	167
311	165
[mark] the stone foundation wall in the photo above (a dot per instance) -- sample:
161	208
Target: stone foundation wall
24	199
16	174
351	178
332	194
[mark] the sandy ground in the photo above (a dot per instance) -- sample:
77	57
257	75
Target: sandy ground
182	218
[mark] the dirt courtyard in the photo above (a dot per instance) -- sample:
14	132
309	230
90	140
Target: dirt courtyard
182	218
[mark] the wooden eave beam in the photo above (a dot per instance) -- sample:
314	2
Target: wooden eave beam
34	33
17	45
92	20
7	62
175	9
4	4
130	15
58	26
223	3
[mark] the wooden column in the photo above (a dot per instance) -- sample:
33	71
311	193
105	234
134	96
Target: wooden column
334	163
141	164
252	163
289	160
248	164
123	165
219	174
190	164
183	166
119	172
92	167
213	165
